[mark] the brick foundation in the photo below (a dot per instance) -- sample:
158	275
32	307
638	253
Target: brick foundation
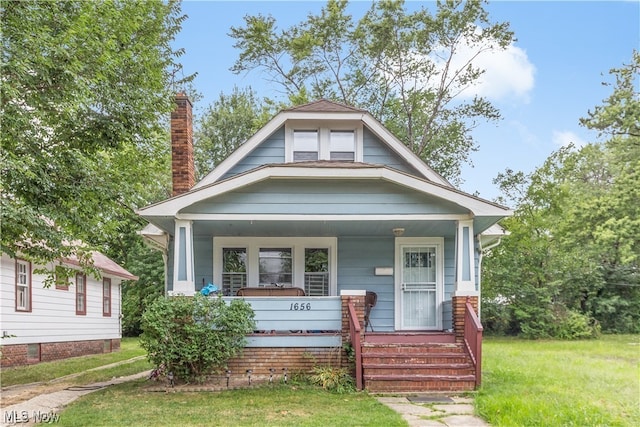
295	360
459	306
17	355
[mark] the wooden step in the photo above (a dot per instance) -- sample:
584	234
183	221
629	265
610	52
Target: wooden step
419	369
421	382
409	358
413	348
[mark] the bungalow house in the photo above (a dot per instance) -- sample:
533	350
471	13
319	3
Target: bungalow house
75	316
325	199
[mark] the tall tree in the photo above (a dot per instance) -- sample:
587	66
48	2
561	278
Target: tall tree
86	87
395	64
574	251
226	124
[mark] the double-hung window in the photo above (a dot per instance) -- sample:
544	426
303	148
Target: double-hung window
23	285
342	145
305	145
314	140
81	294
106	297
275	267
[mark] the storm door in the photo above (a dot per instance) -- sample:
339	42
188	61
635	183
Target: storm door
420	287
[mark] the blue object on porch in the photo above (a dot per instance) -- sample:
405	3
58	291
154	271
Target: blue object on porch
209	289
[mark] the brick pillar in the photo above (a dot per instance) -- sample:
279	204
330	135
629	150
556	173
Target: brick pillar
358	303
182	163
458	305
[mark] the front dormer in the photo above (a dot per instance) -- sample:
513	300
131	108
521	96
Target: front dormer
339	141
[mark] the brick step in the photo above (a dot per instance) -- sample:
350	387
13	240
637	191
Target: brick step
425	359
405	383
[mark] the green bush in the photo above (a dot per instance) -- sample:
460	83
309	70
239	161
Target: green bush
193	336
338	380
571	325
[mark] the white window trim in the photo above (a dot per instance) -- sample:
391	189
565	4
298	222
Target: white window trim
324	130
438	243
297	244
26	286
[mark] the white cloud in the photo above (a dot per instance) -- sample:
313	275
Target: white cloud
564	138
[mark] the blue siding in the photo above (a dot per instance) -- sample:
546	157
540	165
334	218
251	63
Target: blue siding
376	152
449	281
203	260
170	264
270	151
325	197
357	260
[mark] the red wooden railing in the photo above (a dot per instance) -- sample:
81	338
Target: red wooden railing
354	336
473	339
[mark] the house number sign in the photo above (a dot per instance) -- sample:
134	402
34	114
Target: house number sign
300	306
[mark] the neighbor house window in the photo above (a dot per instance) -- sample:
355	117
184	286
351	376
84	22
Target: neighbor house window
106	297
275	266
305	145
316	271
23	285
234	270
62	278
81	294
342	146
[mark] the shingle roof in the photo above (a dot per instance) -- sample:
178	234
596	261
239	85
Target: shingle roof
324	106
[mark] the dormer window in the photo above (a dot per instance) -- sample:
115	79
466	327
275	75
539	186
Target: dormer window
308	140
305	145
342	145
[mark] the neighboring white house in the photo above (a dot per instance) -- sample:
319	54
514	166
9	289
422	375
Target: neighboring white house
78	315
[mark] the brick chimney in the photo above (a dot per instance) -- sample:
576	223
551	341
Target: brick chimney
182	164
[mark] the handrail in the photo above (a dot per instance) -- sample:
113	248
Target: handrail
354	336
473	339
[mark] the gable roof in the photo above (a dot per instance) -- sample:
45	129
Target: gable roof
324	105
104	264
323	110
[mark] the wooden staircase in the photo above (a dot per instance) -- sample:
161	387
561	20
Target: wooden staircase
413	362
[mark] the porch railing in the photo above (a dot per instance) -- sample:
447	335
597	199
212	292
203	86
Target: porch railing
473	339
354	336
295	321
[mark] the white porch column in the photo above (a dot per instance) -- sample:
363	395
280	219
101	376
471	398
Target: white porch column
465	261
183	270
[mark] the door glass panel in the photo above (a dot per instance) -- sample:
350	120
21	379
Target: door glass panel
275	267
419	287
316	272
234	270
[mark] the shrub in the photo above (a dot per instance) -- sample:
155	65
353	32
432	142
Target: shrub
338	380
193	336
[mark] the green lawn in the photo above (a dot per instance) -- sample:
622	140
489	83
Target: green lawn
279	405
561	383
46	371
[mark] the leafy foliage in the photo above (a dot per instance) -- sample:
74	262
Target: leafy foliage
225	125
338	380
400	66
571	263
85	87
192	336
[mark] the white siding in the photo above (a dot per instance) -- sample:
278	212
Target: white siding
53	315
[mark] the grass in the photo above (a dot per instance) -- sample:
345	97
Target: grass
278	405
46	371
561	383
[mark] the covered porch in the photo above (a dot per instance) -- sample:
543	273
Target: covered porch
296	334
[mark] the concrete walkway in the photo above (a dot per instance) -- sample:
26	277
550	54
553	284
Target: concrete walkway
46	407
427	410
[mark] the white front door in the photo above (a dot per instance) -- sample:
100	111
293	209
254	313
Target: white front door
419	285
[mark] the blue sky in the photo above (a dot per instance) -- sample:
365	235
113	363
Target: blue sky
543	84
